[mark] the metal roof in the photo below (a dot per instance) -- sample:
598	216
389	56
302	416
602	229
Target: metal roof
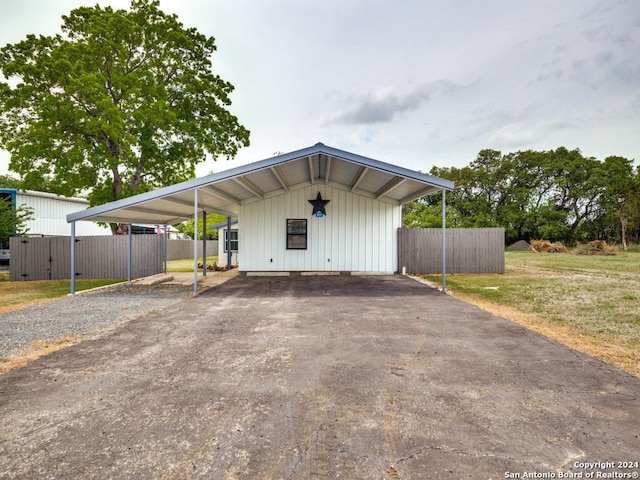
226	191
223	224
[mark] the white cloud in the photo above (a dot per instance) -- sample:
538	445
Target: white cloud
383	105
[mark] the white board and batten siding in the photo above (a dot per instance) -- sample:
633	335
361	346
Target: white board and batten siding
358	234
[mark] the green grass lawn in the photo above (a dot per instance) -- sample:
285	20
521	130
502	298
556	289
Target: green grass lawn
186	265
591	303
18	294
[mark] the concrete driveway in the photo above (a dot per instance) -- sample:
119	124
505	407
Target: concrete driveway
318	377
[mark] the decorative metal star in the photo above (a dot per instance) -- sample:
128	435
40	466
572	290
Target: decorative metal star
319	204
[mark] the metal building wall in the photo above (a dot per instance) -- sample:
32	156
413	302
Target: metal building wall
50	215
357	235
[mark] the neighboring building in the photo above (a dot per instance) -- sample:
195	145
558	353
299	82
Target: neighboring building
172	232
314	209
50	212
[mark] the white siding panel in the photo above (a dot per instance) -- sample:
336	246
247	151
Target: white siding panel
358	233
50	215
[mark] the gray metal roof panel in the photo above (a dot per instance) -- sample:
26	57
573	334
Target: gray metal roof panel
102	211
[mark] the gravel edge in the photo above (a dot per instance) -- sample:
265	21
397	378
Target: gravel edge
83	315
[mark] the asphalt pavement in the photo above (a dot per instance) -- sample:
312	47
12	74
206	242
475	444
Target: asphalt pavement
319	377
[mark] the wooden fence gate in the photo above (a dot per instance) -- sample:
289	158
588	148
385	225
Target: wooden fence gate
469	250
49	258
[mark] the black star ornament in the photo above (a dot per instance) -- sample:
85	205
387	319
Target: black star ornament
319	205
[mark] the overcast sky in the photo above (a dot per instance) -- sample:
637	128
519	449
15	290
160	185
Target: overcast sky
416	83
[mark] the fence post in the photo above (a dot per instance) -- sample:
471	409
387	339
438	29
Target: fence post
164	247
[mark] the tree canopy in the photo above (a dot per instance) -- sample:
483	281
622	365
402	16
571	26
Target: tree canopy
123	101
7	181
557	195
13	220
212	219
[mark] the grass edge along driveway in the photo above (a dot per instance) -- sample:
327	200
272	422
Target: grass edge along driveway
589	303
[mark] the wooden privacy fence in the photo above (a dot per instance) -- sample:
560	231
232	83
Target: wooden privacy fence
49	258
179	249
469	250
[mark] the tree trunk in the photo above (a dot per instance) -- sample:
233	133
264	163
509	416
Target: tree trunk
119	228
624	222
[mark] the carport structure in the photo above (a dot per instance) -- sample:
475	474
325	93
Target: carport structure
268	192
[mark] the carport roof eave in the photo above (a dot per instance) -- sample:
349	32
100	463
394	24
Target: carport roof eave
439	183
185	186
137	220
100	212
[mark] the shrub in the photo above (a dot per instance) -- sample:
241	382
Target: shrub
545	246
597	247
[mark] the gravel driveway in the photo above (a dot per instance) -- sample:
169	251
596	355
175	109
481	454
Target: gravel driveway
318	377
84	314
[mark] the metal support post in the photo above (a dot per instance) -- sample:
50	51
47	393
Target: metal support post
129	254
204	243
444	241
228	240
73	258
195	242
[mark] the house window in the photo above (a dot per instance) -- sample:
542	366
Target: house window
296	234
234	239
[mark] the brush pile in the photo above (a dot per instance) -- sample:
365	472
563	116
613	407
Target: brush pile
545	246
216	268
597	247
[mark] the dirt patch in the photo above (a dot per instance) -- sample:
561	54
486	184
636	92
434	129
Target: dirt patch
38	349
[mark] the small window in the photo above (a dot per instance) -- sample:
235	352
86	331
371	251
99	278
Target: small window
296	234
234	240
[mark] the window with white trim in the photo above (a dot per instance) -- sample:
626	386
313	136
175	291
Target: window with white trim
234	239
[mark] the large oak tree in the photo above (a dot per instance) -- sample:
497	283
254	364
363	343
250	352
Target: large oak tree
558	195
123	101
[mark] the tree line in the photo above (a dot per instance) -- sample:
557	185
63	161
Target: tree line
557	195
